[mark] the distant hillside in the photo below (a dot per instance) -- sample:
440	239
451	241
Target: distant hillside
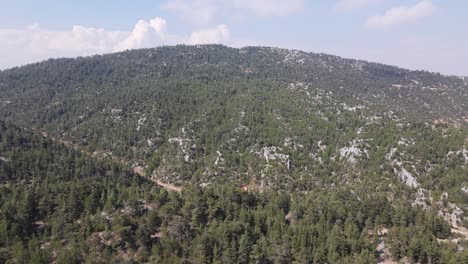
208	110
261	120
416	93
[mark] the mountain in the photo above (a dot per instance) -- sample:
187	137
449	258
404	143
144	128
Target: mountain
265	120
62	205
424	94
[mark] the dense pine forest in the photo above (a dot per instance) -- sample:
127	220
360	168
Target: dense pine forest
60	204
277	156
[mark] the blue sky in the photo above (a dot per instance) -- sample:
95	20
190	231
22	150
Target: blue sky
417	34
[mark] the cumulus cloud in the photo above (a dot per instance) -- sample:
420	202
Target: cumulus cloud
33	43
144	34
219	34
204	12
401	15
347	5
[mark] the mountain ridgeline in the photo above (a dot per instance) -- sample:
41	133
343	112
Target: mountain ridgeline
420	94
291	156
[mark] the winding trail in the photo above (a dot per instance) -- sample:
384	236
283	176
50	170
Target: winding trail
461	230
138	170
168	186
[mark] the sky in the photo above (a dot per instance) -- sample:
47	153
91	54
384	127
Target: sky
415	34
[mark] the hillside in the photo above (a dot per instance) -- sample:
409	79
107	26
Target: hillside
423	94
265	120
63	206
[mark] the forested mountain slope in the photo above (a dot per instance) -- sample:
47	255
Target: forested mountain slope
399	89
55	200
261	119
63	206
212	110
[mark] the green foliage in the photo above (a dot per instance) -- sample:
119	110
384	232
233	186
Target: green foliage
319	143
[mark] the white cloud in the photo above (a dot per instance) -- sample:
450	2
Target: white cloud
199	12
348	5
267	8
144	34
34	39
204	12
33	43
401	15
80	39
219	34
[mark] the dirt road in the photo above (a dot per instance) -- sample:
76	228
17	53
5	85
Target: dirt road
138	170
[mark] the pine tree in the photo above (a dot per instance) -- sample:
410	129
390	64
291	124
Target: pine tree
281	250
4	239
19	253
36	254
414	249
229	254
258	253
245	247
